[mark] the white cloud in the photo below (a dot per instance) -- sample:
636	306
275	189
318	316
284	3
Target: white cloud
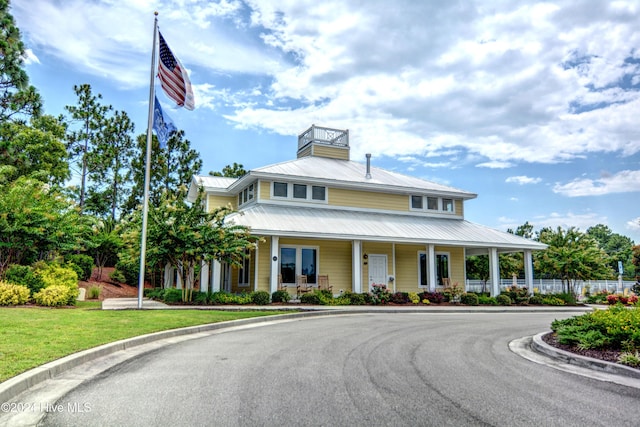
634	224
522	180
569	219
622	182
30	57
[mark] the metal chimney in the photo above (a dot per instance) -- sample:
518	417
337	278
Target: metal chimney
368	175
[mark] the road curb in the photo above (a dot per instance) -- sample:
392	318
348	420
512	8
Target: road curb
538	345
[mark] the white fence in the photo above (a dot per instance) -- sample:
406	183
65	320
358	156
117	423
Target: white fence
551	286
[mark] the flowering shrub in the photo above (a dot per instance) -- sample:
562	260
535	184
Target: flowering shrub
400	298
613	299
379	294
434	297
54	274
11	294
426	301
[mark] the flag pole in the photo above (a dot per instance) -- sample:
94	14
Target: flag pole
147	169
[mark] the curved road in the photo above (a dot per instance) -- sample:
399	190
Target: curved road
351	370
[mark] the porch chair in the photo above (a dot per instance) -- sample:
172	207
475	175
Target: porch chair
281	286
301	284
323	282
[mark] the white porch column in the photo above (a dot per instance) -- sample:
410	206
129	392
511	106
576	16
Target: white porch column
204	277
528	270
273	280
255	270
431	262
494	271
178	279
168	276
356	265
216	268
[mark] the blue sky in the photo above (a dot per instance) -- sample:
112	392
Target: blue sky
533	106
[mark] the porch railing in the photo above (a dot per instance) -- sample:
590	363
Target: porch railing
551	286
324	135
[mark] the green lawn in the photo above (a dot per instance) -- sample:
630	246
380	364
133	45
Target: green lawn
30	337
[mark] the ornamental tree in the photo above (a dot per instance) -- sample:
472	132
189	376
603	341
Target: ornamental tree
185	235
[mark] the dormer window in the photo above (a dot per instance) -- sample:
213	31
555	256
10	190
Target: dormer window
299	192
416	202
431	204
246	194
280	189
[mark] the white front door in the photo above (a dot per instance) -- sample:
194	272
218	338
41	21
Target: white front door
377	270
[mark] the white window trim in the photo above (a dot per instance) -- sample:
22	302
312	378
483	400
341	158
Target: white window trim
425	205
308	199
298	249
426	254
247	260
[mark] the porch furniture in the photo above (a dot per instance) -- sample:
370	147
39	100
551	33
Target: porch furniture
323	282
281	286
301	284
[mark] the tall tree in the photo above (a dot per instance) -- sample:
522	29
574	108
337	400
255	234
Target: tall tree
34	150
110	165
17	98
231	171
571	256
89	116
617	247
171	167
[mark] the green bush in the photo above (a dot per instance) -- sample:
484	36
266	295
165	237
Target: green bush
222	297
94	292
199	298
567	297
153	293
536	299
310	298
487	300
280	296
12	294
260	297
127	272
172	295
469	299
81	264
552	300
354	299
503	299
53	296
25	276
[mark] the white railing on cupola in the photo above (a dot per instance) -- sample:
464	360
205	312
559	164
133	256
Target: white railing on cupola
335	137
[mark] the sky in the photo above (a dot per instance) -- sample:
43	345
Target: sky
531	105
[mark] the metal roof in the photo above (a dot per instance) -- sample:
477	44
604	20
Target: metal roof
294	221
339	172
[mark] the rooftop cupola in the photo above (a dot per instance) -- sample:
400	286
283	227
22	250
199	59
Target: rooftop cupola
324	142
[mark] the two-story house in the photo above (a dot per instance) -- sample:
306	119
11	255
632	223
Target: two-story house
324	214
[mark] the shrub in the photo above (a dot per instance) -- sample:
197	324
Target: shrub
379	294
172	295
81	264
94	292
536	299
469	299
503	299
567	297
280	296
414	298
154	293
53	296
127	272
354	299
199	298
54	274
434	297
400	298
630	359
516	294
260	297
25	276
310	298
487	300
552	300
12	294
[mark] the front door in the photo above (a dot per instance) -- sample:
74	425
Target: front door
377	270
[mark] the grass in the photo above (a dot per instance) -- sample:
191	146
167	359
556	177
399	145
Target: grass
30	337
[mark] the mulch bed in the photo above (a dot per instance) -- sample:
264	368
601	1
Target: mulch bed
607	355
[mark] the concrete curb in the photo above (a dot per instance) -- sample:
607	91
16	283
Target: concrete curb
541	347
14	386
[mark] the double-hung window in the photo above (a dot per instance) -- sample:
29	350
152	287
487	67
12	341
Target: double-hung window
442	268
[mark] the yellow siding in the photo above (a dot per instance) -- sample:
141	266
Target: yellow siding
218	201
459	207
330	152
264	265
305	152
265	190
367	199
407	268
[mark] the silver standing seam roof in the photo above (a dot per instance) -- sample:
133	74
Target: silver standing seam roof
323	222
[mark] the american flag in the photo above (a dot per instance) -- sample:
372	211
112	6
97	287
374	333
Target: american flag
173	77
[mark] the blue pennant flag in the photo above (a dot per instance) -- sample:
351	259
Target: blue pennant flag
162	124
